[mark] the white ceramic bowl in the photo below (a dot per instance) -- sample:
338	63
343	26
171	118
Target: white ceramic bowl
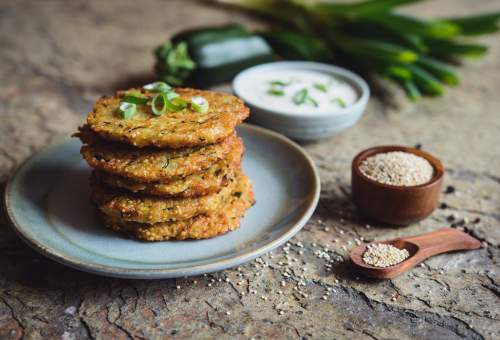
307	126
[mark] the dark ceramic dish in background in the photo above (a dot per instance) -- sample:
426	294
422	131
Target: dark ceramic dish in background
398	205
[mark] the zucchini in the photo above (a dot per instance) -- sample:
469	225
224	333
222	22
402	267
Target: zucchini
292	45
210	56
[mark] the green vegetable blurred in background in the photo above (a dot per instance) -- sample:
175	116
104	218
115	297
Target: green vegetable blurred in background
420	55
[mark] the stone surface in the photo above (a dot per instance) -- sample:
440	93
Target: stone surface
58	57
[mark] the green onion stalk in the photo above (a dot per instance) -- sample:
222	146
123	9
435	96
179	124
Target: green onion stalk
419	55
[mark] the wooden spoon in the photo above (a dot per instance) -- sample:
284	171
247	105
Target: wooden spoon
420	248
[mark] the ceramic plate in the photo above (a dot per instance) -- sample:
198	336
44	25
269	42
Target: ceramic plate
47	201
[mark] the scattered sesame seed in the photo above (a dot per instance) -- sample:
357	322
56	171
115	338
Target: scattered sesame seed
178	287
228	313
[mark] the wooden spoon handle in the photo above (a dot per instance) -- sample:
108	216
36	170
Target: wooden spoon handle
443	240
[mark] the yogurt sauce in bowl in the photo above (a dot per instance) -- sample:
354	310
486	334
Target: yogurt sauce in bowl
303	100
300	91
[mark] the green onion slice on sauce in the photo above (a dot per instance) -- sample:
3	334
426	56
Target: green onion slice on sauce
127	110
303	97
321	87
158	86
199	104
275	92
339	101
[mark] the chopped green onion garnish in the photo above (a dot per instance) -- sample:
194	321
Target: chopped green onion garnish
175	102
300	97
303	97
170	100
159	99
279	83
135	97
158	86
321	87
135	93
335	80
199	104
275	92
276	87
339	101
127	110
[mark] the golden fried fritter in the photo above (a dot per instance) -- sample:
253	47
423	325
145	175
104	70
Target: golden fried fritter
203	183
198	227
151	209
158	165
185	128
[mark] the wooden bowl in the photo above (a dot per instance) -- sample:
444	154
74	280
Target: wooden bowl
398	205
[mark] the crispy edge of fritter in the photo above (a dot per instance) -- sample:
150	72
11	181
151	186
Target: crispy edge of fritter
148	165
151	209
198	227
209	181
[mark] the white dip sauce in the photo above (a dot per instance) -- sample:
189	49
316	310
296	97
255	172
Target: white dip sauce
299	91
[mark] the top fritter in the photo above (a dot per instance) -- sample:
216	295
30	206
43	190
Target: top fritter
175	119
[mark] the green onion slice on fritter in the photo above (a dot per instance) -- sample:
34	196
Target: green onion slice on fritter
135	97
159	104
175	102
127	110
199	104
158	86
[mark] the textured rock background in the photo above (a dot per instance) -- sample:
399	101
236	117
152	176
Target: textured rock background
58	57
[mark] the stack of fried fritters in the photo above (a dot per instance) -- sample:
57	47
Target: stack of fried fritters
173	176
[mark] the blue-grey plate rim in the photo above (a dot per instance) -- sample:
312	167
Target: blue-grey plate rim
158	273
